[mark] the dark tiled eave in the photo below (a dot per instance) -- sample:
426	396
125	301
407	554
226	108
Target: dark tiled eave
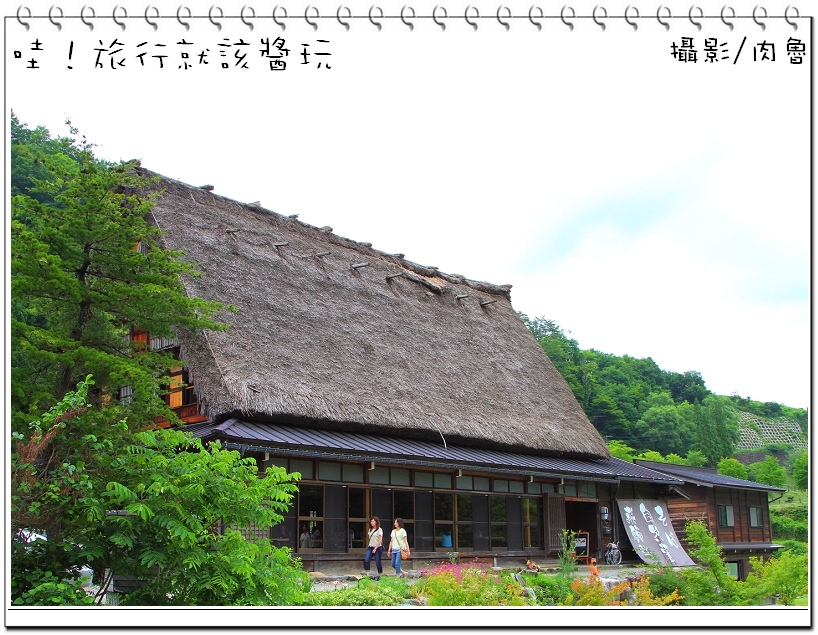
706	477
252	436
749	546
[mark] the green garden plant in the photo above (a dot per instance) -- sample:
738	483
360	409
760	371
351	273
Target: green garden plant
43	588
783	577
147	504
365	593
567	553
550	590
709	585
468	585
790	522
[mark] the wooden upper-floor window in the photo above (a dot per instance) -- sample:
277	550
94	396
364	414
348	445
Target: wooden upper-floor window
726	518
756	518
180	391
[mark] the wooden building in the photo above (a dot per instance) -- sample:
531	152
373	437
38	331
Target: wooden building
735	511
395	389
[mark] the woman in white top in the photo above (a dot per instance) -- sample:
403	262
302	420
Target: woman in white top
375	546
397	543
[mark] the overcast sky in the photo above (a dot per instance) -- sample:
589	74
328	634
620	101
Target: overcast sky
649	207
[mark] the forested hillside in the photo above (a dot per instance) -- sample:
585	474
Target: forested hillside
633	402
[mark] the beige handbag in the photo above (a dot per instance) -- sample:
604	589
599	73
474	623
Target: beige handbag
404	551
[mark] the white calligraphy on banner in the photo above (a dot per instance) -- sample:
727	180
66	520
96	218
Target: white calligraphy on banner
651	533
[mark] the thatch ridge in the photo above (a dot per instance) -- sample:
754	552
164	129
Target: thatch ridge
332	332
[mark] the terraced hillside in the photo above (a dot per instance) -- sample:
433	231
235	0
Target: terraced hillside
756	432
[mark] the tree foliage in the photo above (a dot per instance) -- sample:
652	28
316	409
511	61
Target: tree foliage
91	479
732	467
29	149
788	523
85	267
695	458
712	586
717	429
800	470
783	577
181	507
621	450
639	404
153	504
769	472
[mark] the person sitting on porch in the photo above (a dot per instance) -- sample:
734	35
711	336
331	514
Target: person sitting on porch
304	538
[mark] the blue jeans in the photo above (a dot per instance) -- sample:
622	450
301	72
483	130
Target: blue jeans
396	561
368	558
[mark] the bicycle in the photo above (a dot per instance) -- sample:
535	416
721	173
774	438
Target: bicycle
612	553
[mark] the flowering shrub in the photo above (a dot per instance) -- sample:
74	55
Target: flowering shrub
643	595
591	592
451	584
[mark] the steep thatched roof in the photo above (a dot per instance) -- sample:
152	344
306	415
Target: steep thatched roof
332	333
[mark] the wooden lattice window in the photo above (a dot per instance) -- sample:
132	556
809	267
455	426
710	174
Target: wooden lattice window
555	507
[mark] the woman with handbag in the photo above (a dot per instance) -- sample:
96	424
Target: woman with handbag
375	546
399	546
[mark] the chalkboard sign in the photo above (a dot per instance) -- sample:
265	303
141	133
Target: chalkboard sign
581	546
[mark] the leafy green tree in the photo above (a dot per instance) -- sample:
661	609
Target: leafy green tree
154	504
688	386
32	151
674	458
43	493
652	455
659	428
85	267
783	577
627	399
606	416
769	472
621	450
178	550
788	525
658	398
717	429
715	587
732	467
694	458
800	470
631	399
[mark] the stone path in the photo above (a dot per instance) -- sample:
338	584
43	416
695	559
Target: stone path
611	574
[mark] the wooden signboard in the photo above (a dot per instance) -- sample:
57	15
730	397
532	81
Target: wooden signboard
581	546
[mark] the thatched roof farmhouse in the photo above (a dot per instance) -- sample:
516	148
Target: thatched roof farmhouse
333	332
392	386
